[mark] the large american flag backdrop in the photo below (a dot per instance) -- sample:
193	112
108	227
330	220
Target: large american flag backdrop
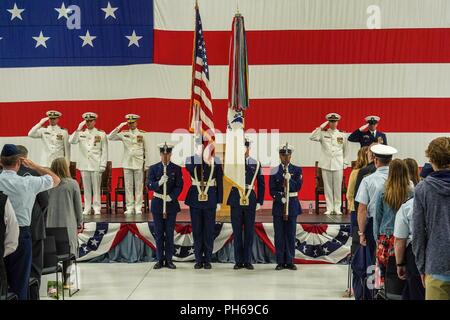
306	58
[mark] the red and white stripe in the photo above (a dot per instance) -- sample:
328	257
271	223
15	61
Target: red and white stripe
306	58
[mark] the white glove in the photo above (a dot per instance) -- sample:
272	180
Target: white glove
346	164
163	180
123	124
287	176
364	127
102	169
44	120
168	198
81	125
218	207
323	125
258	207
283	200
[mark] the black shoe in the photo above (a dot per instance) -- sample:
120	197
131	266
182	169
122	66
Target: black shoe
170	265
198	265
158	265
291	266
207	265
238	266
279	267
248	266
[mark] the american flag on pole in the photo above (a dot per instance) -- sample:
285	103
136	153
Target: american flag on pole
201	113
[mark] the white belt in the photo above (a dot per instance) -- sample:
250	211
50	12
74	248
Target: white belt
159	195
293	194
211	183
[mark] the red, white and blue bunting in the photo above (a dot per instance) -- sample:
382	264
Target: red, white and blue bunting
315	243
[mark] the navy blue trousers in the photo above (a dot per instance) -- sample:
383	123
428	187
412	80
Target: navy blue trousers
18	265
203	224
285	232
243	219
414	289
164	236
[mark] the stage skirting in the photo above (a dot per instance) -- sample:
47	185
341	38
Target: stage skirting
135	242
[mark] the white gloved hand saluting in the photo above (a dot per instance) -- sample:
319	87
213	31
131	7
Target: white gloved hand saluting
323	125
123	124
163	180
258	207
44	120
81	125
287	176
218	207
364	127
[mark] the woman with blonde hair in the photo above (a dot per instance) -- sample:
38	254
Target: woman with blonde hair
360	162
413	170
398	189
64	205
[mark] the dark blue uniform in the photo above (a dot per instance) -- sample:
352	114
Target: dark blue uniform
366	138
164	227
203	213
245	215
285	231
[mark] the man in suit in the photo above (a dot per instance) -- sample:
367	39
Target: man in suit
166	181
204	198
368	134
244	205
286	207
92	161
38	223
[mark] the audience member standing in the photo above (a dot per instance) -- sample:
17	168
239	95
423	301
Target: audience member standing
22	193
64	206
431	222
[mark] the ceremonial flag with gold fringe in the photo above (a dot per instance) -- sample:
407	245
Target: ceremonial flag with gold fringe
238	102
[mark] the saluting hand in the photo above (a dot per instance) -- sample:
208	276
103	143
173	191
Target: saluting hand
81	125
44	120
28	163
323	125
364	127
123	124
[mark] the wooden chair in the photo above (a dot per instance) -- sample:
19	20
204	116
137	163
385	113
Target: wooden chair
146	191
106	186
119	191
320	190
73	170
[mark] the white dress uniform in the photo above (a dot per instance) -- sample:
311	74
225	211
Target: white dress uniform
93	146
133	163
54	138
332	162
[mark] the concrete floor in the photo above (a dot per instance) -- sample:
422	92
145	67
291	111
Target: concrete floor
121	281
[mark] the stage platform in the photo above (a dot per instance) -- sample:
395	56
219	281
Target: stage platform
263	216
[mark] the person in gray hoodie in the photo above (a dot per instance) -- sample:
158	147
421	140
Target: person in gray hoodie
431	223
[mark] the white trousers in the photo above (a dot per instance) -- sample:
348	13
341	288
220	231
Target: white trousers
134	184
332	182
91	183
